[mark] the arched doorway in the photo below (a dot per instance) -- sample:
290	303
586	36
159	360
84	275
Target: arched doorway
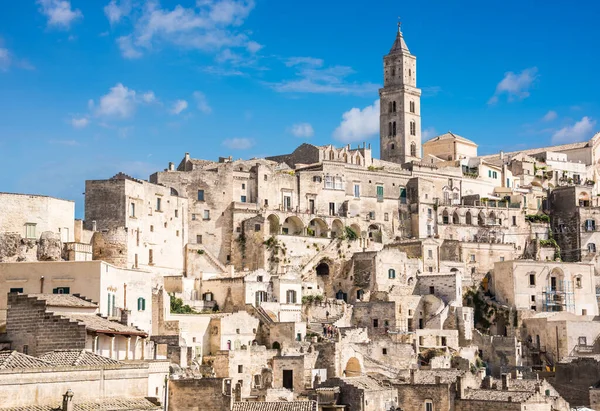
317	228
340	295
445	218
273	222
323	268
468	218
481	219
374	233
455	218
337	229
292	226
353	368
276	345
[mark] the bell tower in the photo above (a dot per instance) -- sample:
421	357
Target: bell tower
400	106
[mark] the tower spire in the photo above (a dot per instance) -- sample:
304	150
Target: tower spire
399	43
399	26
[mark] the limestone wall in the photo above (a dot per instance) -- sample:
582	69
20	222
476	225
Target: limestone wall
201	394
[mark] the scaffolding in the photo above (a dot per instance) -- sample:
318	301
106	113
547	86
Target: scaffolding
558	296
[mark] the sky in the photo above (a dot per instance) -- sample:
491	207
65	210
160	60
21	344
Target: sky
89	88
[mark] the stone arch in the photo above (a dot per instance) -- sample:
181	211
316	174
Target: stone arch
322	268
358	162
356	229
481	218
353	368
492	219
273	224
374	233
331	155
445	217
584	199
455	218
174	192
317	227
468	218
337	228
293	226
276	345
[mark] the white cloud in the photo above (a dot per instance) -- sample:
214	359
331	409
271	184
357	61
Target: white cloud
115	12
358	124
80	122
209	26
179	106
128	50
149	97
5	59
550	116
515	86
59	13
202	103
580	131
118	102
428	133
238	143
8	60
311	77
302	130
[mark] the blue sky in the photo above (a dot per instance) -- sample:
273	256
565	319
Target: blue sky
90	88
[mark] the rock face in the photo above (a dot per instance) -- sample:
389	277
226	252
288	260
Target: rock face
49	247
13	248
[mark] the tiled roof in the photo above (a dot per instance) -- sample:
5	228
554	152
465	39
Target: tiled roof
103	325
64	300
76	357
105	404
14	359
531	151
450	136
497	395
276	406
428	376
364	382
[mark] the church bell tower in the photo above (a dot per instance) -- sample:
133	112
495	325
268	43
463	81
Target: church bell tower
400	106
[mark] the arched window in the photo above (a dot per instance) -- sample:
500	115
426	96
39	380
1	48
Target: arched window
413	128
428	405
291	296
390	129
359	294
345	157
392	146
358	160
468	218
394	107
390	107
413	149
412	106
409	72
455	218
391	273
393	71
331	155
445	218
394	128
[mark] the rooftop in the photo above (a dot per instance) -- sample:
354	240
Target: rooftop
276	406
105	404
64	300
75	358
13	359
103	325
497	395
450	136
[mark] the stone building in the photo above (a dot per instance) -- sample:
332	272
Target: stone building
40	323
137	224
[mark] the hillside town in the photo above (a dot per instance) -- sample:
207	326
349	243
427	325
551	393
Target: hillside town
325	279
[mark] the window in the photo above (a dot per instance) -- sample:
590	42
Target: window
176	213
592	247
531	279
533	298
256	227
150	257
394	107
412	106
428	405
338	183
590	225
177	233
243	199
375	323
384	351
30	230
193	217
431	289
206	215
578	282
444	341
356	191
394	128
514	220
380	194
391	273
430	253
390	107
243	186
291	296
390	129
328	182
413	128
16	290
259	278
413	149
200	195
141	304
132	210
240	368
61	290
198	239
386	217
472	258
158	201
25	349
265	177
508	182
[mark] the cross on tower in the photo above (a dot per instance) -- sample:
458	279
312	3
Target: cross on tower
399	24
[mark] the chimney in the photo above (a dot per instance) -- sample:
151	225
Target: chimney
369	146
187	156
505	382
94	226
125	316
67	404
460	387
501	154
412	377
171	166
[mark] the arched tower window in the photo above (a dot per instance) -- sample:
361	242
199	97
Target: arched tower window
413	128
394	128
331	155
390	129
394	107
413	149
390	107
409	72
393	71
358	160
412	106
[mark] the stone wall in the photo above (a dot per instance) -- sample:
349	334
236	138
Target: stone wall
413	396
574	378
28	324
201	394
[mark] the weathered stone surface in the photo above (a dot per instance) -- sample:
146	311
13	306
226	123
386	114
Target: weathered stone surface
49	247
13	248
